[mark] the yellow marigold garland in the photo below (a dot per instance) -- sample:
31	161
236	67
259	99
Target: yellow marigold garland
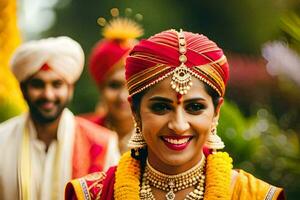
11	101
218	177
127	185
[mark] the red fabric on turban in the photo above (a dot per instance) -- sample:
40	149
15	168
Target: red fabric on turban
156	58
105	55
62	54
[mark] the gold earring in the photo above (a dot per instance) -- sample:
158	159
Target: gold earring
214	142
137	140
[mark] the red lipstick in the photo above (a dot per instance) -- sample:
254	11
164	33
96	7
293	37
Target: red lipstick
176	143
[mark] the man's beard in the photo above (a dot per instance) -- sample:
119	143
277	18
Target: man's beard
42	118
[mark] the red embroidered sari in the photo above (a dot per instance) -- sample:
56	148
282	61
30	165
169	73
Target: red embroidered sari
100	186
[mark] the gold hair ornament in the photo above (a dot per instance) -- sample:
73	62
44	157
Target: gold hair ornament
181	79
121	28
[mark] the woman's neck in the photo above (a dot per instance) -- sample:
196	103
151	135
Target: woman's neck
173	169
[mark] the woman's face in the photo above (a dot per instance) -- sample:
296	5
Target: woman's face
115	95
175	129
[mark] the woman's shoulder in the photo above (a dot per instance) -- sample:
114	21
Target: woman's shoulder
87	187
246	186
91	186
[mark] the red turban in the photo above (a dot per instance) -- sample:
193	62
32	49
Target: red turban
105	56
171	52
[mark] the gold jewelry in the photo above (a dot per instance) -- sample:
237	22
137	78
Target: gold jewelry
214	142
173	183
137	140
182	79
218	167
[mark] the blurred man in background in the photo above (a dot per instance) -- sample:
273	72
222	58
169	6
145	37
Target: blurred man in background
44	148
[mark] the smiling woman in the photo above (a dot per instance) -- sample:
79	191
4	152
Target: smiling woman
176	83
174	130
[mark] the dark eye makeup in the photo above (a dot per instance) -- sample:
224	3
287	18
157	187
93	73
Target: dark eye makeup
194	107
160	108
161	105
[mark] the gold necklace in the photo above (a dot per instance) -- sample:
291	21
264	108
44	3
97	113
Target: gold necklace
218	167
173	183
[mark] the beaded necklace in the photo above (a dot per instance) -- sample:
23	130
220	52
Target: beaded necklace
173	183
217	178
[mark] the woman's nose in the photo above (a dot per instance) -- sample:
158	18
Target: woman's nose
178	123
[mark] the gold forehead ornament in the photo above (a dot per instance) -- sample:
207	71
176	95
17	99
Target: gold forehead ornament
181	79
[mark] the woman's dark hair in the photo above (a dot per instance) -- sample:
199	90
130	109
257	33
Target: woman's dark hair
136	101
142	153
214	95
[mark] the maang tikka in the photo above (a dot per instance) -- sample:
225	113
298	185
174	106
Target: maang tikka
181	79
214	142
137	140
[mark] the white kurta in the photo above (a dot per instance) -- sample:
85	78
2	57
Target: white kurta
44	165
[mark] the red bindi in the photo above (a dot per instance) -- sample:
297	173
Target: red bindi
179	98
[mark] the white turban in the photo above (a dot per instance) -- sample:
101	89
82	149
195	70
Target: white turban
62	54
